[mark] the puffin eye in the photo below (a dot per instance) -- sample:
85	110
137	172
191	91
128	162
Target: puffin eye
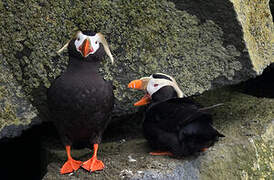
78	39
155	85
96	42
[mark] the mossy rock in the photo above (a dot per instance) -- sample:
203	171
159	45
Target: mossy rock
16	112
203	44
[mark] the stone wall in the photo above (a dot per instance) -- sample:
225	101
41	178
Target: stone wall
203	44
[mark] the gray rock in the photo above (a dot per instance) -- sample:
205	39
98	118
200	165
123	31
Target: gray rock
203	44
16	112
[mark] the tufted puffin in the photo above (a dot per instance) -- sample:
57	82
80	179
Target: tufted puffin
174	125
80	100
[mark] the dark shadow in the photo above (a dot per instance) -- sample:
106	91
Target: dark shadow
124	127
23	156
271	6
28	155
261	86
39	101
222	13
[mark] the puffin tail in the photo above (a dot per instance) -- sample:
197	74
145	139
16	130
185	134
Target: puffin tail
219	134
210	107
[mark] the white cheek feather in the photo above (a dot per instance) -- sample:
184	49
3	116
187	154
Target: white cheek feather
161	83
151	89
79	40
94	40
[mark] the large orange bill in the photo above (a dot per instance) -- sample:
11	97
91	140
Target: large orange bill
140	84
136	84
145	100
86	48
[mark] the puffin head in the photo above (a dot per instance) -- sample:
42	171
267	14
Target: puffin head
157	87
88	46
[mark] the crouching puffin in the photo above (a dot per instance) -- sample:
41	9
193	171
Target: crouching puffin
80	100
174	125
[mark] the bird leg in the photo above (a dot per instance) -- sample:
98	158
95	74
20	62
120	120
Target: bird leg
71	164
93	164
161	153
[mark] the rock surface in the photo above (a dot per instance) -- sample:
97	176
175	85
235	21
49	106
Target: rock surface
203	44
16	113
245	153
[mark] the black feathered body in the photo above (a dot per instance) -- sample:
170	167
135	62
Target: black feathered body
80	102
177	125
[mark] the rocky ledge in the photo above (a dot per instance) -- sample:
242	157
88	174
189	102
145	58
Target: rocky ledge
246	118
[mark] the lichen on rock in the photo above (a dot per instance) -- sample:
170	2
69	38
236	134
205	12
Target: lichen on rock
16	112
257	23
200	43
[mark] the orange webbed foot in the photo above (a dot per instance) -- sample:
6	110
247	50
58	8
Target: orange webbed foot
204	149
161	153
70	166
93	164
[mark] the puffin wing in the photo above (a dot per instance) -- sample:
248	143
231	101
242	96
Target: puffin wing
173	114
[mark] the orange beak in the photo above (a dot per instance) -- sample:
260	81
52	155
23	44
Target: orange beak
140	85
145	100
136	84
85	48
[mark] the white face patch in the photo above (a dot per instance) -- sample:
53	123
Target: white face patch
155	84
94	42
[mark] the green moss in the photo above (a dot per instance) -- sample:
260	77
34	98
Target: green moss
15	108
154	33
7	114
3	92
258	30
144	36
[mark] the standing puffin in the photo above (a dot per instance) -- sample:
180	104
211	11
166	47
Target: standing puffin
80	100
173	124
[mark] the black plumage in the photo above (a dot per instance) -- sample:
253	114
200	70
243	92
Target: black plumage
80	100
178	125
173	123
